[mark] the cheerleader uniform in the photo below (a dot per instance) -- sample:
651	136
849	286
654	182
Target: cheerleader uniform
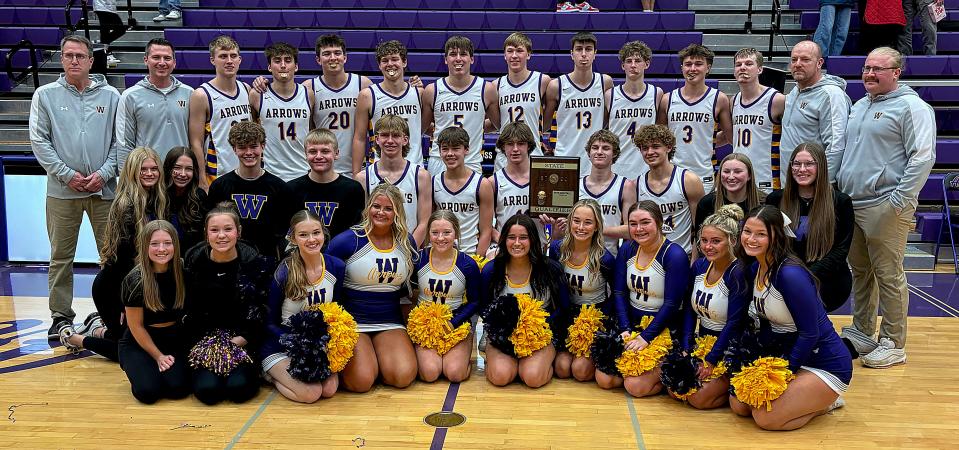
656	289
374	281
460	287
720	308
558	308
789	311
586	288
326	289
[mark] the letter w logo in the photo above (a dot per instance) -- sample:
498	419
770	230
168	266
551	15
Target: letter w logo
440	289
101	109
249	205
324	210
387	269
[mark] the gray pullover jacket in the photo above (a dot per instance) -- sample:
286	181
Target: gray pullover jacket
149	118
816	114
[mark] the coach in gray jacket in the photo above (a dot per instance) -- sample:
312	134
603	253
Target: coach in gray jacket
816	109
154	112
71	132
890	149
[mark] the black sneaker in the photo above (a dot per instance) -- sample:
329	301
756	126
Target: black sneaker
54	332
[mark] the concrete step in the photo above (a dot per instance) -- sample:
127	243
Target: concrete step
730	5
14	105
917	259
15	148
734	42
132	38
736	21
14	134
144	19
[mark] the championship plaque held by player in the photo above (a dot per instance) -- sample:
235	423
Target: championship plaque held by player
553	185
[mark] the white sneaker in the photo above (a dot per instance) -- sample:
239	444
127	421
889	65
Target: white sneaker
860	341
160	17
113	61
839	403
174	15
885	355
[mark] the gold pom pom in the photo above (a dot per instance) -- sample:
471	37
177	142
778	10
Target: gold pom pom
532	332
343	335
684	397
635	363
762	382
704	345
454	337
583	329
480	260
429	327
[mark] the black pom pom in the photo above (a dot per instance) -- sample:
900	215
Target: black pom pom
607	347
499	321
679	373
305	345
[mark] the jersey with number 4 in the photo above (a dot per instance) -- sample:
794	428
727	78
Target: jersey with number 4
672	201
626	116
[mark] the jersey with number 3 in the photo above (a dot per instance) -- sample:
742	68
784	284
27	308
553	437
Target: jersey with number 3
579	114
756	135
286	122
334	111
694	125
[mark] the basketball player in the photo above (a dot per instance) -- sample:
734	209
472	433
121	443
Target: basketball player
520	92
632	105
614	193
698	117
465	193
336	92
393	145
757	114
392	96
215	107
284	111
578	100
462	100
675	189
335	198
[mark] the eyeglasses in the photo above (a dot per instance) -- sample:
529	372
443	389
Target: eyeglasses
798	165
80	57
876	69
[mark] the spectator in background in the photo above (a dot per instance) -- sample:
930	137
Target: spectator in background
834	25
920	8
169	10
111	26
881	23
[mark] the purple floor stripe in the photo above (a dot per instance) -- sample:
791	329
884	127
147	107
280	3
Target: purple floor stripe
439	436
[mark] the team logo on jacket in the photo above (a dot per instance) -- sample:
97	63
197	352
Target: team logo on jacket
101	109
877	116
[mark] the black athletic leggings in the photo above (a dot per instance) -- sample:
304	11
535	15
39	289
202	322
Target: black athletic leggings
239	386
111	26
106	297
146	381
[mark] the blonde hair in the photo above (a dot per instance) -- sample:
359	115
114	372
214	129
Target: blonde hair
393	124
400	231
132	199
726	219
151	290
321	136
447	215
518	39
223	42
296	279
596	243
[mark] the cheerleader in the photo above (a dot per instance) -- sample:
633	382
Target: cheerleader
718	303
151	351
786	304
228	282
651	277
588	269
450	277
379	255
139	199
520	267
305	278
737	184
187	200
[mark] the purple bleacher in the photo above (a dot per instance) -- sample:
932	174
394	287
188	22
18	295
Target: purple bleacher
435	20
427	40
809	20
21	15
41	37
60	3
946	42
814	4
916	66
931	94
536	5
932	190
947	120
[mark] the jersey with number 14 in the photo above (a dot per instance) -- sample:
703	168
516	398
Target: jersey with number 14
756	135
286	122
334	111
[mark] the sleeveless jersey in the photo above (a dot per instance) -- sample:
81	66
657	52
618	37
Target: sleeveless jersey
756	135
408	184
677	220
768	303
511	198
464	109
334	111
447	287
610	204
646	285
316	294
224	112
710	302
522	102
286	122
694	125
406	106
578	115
464	203
626	116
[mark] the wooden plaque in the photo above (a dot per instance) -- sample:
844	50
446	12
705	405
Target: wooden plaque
553	185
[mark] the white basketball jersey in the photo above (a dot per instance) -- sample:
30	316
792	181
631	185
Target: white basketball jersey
646	284
522	102
408	185
584	288
224	112
511	198
463	109
677	220
464	203
448	288
710	302
334	111
406	106
756	135
286	122
610	204
694	125
626	116
579	114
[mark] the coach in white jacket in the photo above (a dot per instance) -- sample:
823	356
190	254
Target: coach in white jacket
71	132
890	149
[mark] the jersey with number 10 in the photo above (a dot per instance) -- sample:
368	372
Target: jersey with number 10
406	106
756	135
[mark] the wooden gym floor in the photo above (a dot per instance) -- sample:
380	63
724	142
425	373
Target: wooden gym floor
54	400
